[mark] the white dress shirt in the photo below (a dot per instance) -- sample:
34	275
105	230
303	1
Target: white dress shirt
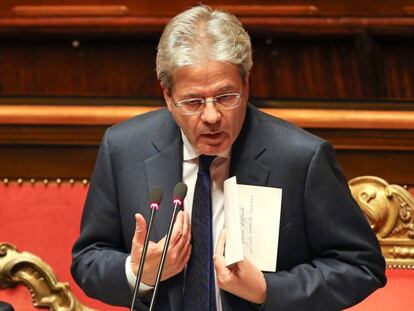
219	172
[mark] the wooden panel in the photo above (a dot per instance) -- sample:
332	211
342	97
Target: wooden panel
307	69
45	161
270	10
345	50
103	16
325	7
398	67
70	10
51	134
330	68
255	25
368	139
77	161
308	118
74	67
408	10
61	142
393	166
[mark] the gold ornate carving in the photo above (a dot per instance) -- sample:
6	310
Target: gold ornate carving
390	211
29	270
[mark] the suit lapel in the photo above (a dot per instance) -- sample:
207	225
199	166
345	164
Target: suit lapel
246	153
164	170
249	171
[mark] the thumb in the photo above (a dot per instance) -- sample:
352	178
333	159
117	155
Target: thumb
140	229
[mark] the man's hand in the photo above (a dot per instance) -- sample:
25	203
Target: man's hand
178	253
242	279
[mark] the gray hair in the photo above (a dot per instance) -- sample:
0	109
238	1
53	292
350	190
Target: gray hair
198	34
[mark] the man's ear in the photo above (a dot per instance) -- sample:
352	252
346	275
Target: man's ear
167	97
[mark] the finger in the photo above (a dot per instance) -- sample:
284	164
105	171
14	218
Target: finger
160	243
241	265
186	225
183	247
219	261
185	238
177	230
188	255
185	256
140	229
221	243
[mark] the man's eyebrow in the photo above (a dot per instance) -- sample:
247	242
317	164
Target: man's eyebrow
226	88
191	95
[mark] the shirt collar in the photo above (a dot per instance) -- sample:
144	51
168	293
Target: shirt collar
191	153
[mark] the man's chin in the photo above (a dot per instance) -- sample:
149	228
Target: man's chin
213	149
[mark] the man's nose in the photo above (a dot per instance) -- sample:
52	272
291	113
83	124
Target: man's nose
210	112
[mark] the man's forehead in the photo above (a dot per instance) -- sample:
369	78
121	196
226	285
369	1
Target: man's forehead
216	76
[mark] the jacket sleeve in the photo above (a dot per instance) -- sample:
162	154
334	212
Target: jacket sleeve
99	254
347	263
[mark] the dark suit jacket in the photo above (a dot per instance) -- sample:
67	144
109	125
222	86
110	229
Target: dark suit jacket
328	256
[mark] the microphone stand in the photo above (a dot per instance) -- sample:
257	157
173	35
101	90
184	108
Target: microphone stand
154	207
177	203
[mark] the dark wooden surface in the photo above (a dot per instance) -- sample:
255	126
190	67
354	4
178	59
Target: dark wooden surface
168	8
342	50
71	152
58	144
359	67
307	54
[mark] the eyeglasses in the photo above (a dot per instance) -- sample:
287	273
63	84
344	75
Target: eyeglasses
196	105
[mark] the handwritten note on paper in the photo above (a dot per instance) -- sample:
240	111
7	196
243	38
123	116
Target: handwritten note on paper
260	218
255	232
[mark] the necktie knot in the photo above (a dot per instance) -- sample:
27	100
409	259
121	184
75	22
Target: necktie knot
205	162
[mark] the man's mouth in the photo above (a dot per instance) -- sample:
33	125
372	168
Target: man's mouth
213	136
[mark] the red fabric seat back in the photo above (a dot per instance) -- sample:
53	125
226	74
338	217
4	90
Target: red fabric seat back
43	219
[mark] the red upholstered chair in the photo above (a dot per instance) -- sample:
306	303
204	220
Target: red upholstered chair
43	219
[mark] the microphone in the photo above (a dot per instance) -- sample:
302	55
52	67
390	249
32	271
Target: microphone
180	191
155	199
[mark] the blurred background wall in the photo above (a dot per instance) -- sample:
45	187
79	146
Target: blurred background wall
342	69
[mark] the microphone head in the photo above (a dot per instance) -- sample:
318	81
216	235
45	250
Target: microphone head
180	191
155	197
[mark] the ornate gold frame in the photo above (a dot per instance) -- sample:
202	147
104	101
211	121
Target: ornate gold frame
390	211
29	270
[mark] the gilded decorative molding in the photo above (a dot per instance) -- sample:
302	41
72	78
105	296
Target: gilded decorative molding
390	211
29	270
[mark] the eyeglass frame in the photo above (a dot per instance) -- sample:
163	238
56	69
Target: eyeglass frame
205	101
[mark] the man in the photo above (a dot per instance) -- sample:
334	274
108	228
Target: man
328	257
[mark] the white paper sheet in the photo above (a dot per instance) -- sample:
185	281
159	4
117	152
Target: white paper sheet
252	229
